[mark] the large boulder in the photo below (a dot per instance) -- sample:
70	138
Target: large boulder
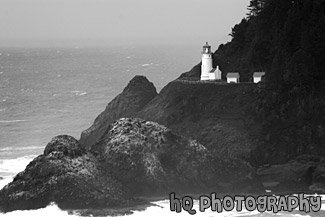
149	159
134	97
65	174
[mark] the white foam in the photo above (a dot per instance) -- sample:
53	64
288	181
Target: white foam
13	166
79	92
21	148
162	209
5	181
50	211
147	64
11	121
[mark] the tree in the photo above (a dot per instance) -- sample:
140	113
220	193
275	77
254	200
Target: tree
255	7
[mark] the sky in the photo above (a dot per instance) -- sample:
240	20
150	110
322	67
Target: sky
170	21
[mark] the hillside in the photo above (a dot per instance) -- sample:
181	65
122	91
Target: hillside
220	116
286	39
277	122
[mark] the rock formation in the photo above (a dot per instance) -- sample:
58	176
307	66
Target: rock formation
150	159
221	117
305	173
65	174
134	157
134	97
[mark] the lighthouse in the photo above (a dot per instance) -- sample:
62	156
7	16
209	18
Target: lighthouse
206	66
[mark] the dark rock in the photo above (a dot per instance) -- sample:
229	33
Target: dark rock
149	159
193	74
65	144
134	157
220	116
134	97
304	174
65	174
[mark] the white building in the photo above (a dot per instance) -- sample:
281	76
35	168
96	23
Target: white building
207	70
215	74
233	77
257	76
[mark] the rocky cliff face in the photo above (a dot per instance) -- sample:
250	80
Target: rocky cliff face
134	157
134	97
225	119
222	117
65	174
149	159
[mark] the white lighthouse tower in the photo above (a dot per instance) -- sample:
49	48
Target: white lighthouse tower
206	66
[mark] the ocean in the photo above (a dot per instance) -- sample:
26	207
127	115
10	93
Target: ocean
48	91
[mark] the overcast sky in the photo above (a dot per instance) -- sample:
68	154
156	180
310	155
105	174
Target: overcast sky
146	20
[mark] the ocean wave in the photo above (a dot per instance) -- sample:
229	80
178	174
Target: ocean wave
162	208
54	210
79	92
146	64
16	165
11	121
4	181
21	148
49	211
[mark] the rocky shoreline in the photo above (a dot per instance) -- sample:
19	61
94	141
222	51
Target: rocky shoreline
128	156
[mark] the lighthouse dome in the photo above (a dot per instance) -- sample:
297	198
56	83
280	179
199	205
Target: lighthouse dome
206	45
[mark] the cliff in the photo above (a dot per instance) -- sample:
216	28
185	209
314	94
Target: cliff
66	174
285	39
134	97
220	116
150	159
133	158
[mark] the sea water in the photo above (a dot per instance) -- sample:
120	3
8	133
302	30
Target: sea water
48	91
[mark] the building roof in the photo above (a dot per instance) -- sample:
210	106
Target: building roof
215	70
206	45
258	74
233	75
